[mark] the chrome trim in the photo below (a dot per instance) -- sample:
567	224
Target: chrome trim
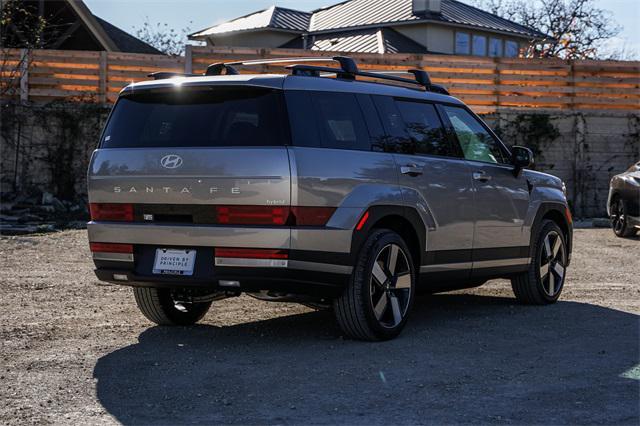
501	262
320	267
251	263
444	267
114	257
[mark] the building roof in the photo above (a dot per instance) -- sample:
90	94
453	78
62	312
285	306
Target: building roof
363	13
278	18
124	41
360	14
369	40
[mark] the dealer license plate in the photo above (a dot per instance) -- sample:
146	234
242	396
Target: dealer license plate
174	262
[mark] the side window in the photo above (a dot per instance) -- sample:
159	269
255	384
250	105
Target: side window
424	128
340	121
396	138
477	144
302	119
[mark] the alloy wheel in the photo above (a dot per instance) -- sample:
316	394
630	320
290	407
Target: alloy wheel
618	217
552	264
390	286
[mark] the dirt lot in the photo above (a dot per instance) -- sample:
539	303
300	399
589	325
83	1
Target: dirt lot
75	352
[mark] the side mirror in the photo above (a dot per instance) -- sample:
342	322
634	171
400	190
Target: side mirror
521	157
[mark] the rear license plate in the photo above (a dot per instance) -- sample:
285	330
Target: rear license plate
174	262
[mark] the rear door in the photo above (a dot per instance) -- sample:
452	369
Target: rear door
429	164
501	197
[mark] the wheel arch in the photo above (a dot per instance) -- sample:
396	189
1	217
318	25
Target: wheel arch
405	221
557	213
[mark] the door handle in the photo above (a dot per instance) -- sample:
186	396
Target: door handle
411	170
481	176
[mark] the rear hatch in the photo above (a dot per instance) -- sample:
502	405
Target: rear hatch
181	172
173	152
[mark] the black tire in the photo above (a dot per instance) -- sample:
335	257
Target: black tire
619	222
543	282
354	309
158	305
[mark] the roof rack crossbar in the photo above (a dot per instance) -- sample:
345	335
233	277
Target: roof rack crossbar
162	75
310	70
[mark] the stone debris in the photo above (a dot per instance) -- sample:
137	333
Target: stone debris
22	214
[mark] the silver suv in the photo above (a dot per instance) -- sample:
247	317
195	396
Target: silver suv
339	193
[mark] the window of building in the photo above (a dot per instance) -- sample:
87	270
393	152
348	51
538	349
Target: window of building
463	44
495	47
479	45
511	49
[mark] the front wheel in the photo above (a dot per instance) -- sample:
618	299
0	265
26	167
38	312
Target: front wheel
619	222
543	282
160	306
377	301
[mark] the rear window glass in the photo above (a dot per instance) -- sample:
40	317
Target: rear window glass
211	117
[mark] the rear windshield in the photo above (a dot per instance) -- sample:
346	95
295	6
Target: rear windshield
211	117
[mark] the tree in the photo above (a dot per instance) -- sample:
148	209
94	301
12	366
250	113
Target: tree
576	29
165	39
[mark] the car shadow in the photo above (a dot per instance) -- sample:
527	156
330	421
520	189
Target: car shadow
461	359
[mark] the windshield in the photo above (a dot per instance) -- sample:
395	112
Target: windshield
211	117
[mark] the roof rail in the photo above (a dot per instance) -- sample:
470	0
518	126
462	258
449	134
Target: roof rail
348	70
166	74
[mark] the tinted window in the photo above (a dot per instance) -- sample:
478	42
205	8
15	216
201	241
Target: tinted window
202	118
396	138
476	142
340	121
304	130
424	128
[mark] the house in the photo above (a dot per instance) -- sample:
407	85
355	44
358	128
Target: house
70	25
378	26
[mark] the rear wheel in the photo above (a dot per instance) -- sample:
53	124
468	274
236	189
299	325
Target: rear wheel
161	306
619	222
376	303
543	282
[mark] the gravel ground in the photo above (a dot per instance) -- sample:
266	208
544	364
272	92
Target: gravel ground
72	351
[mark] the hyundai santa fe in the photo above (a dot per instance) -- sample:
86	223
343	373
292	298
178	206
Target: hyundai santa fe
327	186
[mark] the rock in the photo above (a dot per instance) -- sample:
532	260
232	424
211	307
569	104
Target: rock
47	198
58	205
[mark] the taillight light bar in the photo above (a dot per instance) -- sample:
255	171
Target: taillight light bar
111	212
272	215
245	253
111	248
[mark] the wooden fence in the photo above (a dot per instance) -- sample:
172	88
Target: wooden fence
486	84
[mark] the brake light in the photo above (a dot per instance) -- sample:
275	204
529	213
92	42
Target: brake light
111	212
252	215
312	216
111	248
242	253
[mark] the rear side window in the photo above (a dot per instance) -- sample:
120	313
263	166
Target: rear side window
327	120
425	128
208	117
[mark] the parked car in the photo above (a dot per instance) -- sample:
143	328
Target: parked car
623	203
334	192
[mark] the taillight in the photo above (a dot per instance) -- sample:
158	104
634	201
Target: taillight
111	212
242	253
111	248
312	216
252	215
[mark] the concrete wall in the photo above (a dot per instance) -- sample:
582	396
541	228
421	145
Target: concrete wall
266	39
590	148
47	148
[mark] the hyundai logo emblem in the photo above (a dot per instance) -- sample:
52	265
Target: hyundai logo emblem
171	161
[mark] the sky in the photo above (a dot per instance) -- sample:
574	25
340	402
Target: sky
200	14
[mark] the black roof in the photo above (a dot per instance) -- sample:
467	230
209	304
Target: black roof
124	41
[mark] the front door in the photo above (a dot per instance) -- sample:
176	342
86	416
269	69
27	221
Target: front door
501	198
